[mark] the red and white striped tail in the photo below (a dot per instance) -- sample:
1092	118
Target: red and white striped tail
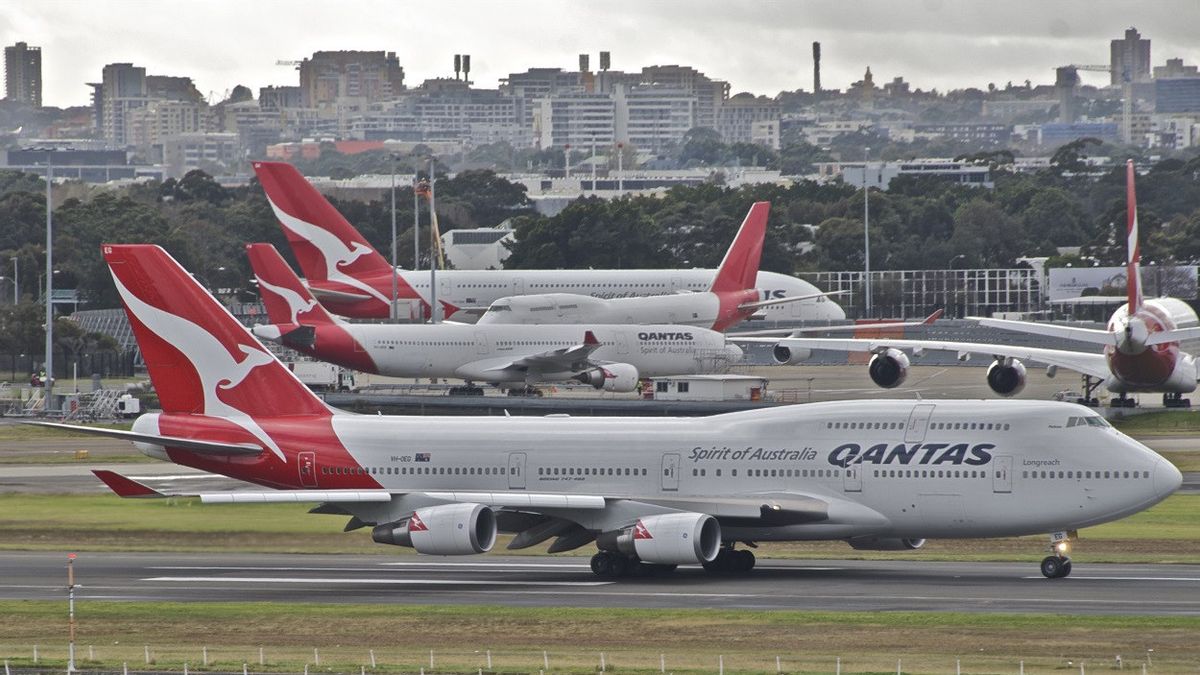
1133	271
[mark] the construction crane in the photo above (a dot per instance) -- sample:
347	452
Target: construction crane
1126	96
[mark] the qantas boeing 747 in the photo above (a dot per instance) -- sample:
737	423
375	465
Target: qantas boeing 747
650	493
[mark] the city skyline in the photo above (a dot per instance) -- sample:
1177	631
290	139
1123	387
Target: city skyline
763	47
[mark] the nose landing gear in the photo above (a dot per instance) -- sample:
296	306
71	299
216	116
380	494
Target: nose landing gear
1058	565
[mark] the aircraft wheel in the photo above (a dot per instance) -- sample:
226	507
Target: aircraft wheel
602	564
621	565
744	561
1054	567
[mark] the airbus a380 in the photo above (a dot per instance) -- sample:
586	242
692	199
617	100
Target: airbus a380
610	357
1141	345
649	493
351	279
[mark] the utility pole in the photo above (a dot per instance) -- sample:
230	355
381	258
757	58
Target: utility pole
49	383
16	281
867	231
71	612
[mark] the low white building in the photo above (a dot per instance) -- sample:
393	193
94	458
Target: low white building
709	388
477	249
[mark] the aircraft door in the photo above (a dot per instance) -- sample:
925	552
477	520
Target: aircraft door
622	343
518	286
516	471
1002	475
481	343
308	469
852	481
676	284
670	471
918	423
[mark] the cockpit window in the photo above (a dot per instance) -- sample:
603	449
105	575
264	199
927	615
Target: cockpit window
1089	420
500	308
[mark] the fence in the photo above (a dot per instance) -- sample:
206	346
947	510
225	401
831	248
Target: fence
134	659
18	367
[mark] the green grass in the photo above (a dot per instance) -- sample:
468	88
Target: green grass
1169	532
26	432
633	639
1166	422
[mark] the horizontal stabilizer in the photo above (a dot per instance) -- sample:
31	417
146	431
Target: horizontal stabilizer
330	294
1177	335
1088	335
189	444
125	487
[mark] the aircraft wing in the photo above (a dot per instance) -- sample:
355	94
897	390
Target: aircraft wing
556	360
1092	364
796	332
127	487
783	301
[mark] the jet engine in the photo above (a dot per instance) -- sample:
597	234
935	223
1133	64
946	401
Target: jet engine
449	529
790	356
889	368
1006	378
668	539
611	377
884	544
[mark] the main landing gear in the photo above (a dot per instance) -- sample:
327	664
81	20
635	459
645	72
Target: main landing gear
1090	384
1176	400
1058	565
613	565
1123	401
729	560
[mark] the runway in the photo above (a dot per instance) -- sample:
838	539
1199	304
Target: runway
527	581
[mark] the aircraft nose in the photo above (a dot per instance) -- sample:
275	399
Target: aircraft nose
1167	478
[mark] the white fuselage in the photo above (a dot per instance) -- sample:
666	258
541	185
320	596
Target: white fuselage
884	468
482	353
692	309
480	288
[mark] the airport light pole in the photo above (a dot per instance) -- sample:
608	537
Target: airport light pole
433	306
867	232
71	612
49	383
16	281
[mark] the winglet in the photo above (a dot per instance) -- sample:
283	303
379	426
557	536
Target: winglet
937	314
739	269
125	487
589	338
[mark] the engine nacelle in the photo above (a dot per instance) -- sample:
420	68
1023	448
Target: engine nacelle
884	544
621	377
889	368
449	529
1006	379
790	356
668	539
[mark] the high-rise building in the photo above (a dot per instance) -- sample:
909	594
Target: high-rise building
1130	57
578	120
709	93
23	74
328	76
1177	95
537	83
651	117
122	89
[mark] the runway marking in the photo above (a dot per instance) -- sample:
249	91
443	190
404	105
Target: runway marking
400	582
1089	578
260	568
489	564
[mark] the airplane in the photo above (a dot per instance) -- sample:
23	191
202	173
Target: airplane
609	357
351	279
1141	344
731	299
650	493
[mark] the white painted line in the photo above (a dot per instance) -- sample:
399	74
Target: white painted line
399	582
487	564
1090	578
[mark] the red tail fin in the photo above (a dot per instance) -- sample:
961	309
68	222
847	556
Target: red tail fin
200	358
326	245
739	269
1133	272
287	300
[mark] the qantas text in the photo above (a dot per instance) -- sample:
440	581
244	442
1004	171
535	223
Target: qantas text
912	453
654	337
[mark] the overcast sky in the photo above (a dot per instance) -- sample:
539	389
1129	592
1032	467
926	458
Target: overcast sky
761	47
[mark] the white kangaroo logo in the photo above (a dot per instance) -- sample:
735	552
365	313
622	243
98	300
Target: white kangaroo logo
335	253
296	303
215	366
